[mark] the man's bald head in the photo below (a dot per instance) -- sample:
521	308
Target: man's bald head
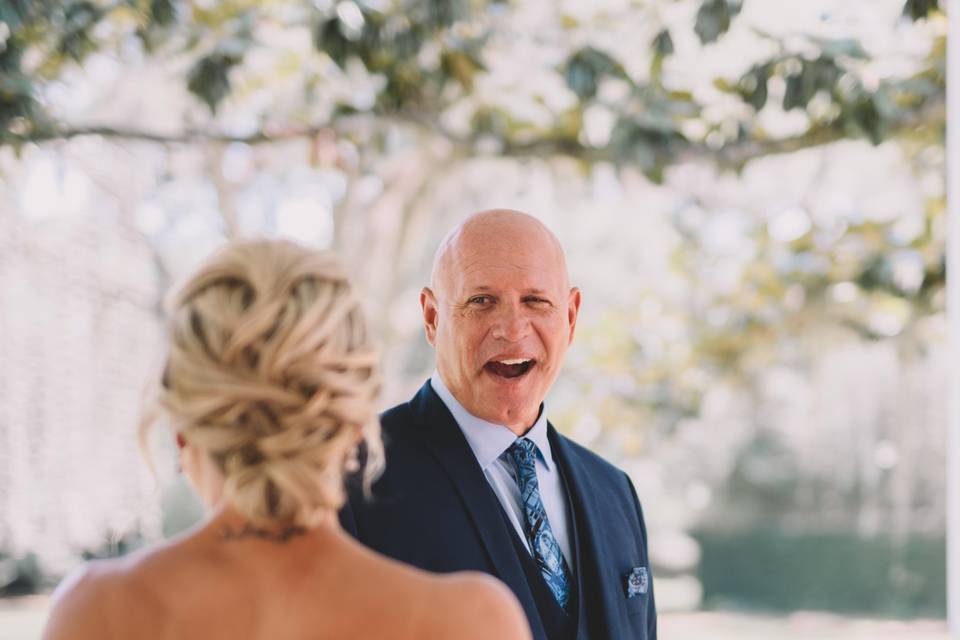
506	229
500	313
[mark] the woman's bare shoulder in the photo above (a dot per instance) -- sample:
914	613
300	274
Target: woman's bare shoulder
81	602
92	602
472	605
420	604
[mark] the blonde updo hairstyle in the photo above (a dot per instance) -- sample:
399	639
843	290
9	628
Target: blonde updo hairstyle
271	373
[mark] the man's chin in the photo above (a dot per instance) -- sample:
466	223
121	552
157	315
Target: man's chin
515	418
511	401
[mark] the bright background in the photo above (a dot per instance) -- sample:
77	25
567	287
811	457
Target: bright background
751	199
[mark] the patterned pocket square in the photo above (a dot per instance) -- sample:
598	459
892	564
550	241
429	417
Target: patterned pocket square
636	582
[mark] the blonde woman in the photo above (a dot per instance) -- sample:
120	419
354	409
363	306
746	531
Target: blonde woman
269	386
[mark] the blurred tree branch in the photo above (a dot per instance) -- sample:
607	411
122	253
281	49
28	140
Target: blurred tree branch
730	154
429	56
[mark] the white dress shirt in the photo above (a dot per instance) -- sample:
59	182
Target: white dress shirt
489	442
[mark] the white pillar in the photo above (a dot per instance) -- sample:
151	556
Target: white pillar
953	312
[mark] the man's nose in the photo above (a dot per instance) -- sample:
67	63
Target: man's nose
511	324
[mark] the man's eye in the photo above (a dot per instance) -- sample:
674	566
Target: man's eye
479	300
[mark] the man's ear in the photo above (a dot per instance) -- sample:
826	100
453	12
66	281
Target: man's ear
573	308
428	304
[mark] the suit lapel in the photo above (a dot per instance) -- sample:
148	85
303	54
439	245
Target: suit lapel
589	518
444	439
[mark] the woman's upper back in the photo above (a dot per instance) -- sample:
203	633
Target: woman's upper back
270	386
319	584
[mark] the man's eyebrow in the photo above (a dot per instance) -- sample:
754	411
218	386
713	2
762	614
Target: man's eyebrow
472	291
486	289
537	293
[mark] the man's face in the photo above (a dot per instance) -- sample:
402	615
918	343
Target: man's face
501	320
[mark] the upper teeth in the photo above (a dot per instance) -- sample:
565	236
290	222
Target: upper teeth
515	361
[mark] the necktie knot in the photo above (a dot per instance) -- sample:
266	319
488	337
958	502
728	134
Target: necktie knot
523	452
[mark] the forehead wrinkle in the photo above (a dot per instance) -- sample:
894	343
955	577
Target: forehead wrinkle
509	274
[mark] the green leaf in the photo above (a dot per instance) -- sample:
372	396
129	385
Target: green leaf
793	96
713	20
758	98
79	20
722	84
15	84
825	73
19	112
646	143
876	274
403	45
441	13
340	109
163	12
10	57
919	87
865	117
568	22
803	85
843	47
328	37
404	87
460	66
11	14
753	86
490	121
209	79
663	43
919	9
586	68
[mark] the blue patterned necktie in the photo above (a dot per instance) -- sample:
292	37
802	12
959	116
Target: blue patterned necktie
536	526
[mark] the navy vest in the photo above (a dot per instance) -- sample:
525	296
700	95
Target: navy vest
558	624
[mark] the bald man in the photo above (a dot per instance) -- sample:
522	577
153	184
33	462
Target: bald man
477	478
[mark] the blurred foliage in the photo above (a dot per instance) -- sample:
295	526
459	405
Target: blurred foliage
788	303
430	55
771	569
20	575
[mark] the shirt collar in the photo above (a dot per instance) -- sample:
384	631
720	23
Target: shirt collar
490	440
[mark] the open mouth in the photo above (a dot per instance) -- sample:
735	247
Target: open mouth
510	368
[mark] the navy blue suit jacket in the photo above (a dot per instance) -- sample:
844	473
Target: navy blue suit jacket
433	508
